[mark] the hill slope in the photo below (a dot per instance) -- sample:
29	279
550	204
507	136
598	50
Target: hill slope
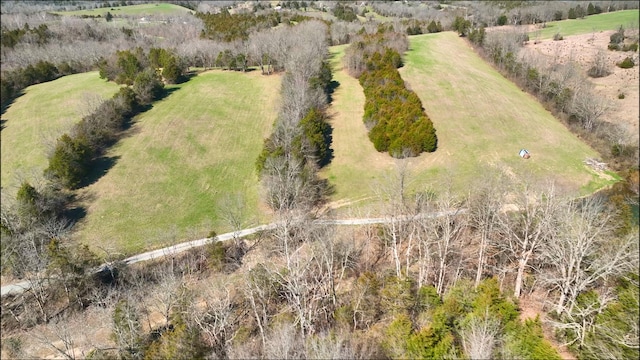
36	119
182	159
482	121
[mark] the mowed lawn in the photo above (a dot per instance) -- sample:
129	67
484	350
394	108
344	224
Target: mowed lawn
182	158
36	119
592	23
130	10
482	121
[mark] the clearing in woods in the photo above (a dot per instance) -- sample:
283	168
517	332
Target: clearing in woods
482	121
182	158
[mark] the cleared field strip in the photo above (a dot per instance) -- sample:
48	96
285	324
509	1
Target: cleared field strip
482	121
592	23
36	119
182	158
130	10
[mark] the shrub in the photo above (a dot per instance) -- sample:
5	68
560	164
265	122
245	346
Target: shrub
557	37
69	163
630	47
147	86
557	16
434	27
526	341
617	37
502	20
621	96
597	71
627	63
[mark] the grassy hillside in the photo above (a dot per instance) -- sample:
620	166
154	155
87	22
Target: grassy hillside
182	158
131	10
41	115
592	23
482	121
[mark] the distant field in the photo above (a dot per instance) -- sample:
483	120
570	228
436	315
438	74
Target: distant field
182	158
39	117
593	23
482	121
130	10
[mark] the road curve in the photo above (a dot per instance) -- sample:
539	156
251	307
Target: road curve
22	286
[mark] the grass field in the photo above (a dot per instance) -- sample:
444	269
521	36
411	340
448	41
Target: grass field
183	157
482	121
593	23
131	10
41	115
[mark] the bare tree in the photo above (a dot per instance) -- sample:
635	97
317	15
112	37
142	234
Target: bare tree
589	108
329	346
217	319
127	328
600	67
284	343
582	317
397	230
529	228
479	336
584	252
58	337
447	234
484	207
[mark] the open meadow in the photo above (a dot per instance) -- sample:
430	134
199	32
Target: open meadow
482	121
36	119
130	10
181	161
628	19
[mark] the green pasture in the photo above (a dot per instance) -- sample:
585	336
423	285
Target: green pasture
131	10
592	23
180	161
482	121
37	118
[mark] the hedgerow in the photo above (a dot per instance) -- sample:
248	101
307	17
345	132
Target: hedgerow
394	114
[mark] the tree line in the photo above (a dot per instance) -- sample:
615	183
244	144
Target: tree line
563	89
74	155
301	138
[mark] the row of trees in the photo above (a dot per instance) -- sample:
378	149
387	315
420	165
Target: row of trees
227	27
393	114
124	66
300	142
13	82
75	153
39	35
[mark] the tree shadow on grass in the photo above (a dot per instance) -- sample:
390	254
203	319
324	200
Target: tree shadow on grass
99	168
75	212
143	108
6	105
331	88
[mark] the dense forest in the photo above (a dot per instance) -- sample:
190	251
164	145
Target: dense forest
412	285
